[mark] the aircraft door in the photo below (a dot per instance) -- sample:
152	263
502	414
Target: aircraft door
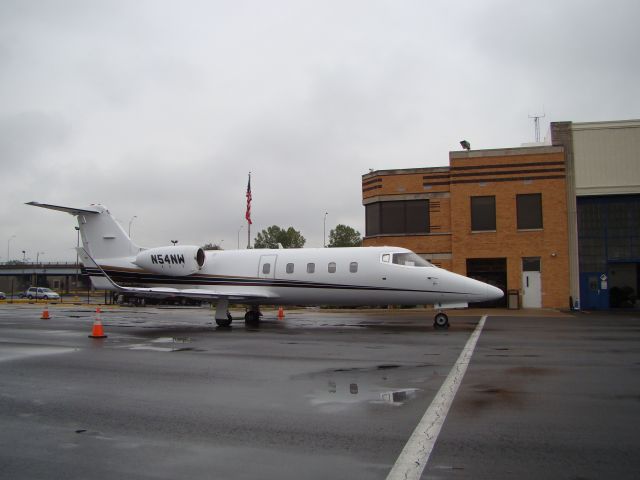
267	266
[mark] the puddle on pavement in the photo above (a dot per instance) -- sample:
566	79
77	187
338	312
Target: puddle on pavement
388	384
165	344
9	352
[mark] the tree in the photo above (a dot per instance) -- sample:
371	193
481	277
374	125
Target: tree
274	235
212	246
344	236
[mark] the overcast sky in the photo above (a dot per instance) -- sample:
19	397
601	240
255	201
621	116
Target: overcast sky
159	109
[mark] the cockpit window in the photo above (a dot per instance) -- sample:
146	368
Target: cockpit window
386	257
410	259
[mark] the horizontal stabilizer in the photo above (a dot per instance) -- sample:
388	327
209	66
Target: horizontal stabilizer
71	210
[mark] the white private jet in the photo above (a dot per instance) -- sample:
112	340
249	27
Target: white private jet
296	276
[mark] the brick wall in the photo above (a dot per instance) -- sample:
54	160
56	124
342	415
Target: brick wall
503	174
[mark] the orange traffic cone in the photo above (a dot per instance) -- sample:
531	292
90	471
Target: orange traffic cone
97	331
280	313
45	313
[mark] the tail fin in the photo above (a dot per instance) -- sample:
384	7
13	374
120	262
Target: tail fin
102	236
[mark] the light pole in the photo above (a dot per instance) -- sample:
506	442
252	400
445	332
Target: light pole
36	268
9	243
130	222
241	227
324	230
174	242
77	248
24	256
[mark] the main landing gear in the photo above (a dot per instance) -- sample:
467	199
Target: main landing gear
252	317
224	318
441	321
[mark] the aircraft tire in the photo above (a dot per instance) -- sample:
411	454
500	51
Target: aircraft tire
441	321
224	322
252	317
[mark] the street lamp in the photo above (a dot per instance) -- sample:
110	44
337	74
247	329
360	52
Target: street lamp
130	222
324	230
36	267
77	263
24	256
9	243
241	227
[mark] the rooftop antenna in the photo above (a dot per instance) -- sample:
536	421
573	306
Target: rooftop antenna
536	123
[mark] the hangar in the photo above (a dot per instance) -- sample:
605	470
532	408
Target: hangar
603	189
554	226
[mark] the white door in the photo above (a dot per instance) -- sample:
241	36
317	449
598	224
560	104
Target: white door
531	290
267	267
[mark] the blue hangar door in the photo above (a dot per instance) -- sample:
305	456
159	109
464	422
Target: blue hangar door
594	291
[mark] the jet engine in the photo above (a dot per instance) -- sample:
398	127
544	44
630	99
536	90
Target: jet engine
177	261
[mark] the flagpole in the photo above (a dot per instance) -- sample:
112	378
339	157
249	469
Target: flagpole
248	212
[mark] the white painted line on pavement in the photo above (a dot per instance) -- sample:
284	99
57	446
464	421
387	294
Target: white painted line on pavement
415	454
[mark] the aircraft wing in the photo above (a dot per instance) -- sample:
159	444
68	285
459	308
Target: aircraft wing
196	294
167	292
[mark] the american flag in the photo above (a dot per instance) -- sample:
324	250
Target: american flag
247	215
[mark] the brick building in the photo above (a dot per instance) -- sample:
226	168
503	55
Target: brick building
496	215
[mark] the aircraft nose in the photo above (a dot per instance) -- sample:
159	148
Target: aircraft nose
494	293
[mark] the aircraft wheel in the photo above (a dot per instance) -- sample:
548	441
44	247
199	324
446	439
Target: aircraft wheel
224	322
252	317
441	320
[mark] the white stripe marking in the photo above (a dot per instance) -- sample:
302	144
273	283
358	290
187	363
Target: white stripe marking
416	452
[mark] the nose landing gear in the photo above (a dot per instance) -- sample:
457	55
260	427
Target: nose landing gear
441	321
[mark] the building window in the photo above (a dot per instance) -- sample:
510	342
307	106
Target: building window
289	267
332	267
311	267
397	217
353	267
372	219
529	208
483	213
531	264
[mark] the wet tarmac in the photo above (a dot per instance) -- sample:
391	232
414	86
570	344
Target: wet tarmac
316	395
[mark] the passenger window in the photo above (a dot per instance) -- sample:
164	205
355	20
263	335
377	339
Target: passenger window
332	267
289	267
386	257
266	268
311	267
353	267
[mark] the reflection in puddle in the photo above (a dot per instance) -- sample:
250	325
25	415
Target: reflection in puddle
340	388
10	352
399	396
344	393
173	344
